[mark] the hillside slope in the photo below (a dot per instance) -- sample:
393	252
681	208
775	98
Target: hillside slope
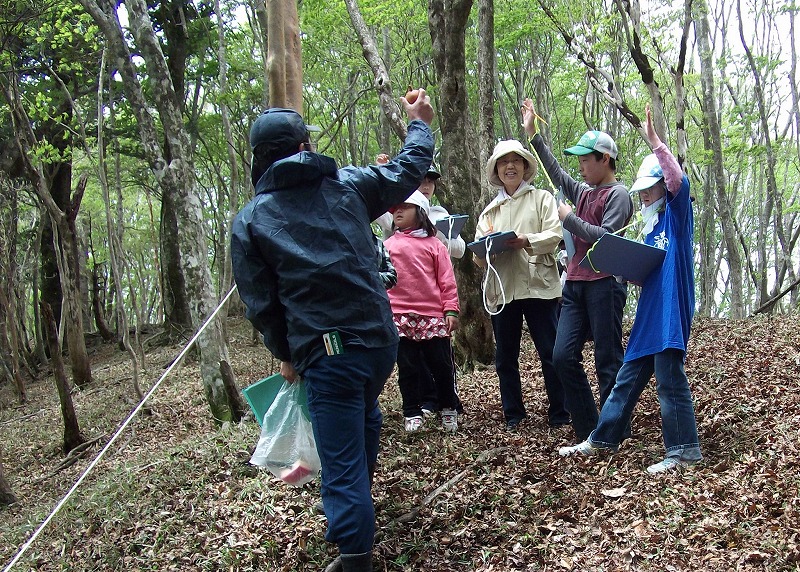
174	493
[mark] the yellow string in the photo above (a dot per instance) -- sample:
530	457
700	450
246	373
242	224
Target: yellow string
589	258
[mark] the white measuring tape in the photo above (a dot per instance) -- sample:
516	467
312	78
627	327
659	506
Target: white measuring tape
489	269
63	501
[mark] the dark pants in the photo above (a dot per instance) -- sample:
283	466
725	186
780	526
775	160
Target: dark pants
343	395
592	308
430	398
540	315
417	362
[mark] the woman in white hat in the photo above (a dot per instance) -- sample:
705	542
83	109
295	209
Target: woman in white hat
529	285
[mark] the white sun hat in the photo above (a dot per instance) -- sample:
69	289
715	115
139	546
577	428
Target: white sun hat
418	199
649	174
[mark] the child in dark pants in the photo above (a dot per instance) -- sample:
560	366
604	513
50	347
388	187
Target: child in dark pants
425	308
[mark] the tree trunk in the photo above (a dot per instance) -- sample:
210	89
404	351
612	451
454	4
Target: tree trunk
72	303
352	120
487	76
383	86
72	432
9	346
460	189
263	43
114	244
40	345
284	55
714	140
177	315
294	56
59	176
97	305
49	279
795	115
9	332
385	128
226	278
7	496
175	174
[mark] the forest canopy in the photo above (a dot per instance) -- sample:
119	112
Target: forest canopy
124	153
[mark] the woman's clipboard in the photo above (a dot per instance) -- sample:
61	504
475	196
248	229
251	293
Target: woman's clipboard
619	256
496	241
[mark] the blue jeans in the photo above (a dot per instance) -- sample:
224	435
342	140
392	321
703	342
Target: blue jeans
678	424
540	315
592	308
343	395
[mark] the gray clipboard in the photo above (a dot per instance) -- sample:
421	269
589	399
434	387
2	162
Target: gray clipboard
624	257
458	221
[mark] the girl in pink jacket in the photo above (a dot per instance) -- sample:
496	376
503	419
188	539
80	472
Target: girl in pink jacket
425	308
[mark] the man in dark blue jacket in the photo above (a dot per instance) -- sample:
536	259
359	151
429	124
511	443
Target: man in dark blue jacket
304	262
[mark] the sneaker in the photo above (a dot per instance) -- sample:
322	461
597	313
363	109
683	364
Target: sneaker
585	449
450	420
668	464
413	424
427	412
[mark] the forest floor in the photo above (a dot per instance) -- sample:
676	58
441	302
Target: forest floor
175	492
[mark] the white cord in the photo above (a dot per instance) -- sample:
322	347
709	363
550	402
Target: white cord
490	268
111	441
449	236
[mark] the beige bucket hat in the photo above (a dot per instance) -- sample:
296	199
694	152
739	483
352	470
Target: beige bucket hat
504	148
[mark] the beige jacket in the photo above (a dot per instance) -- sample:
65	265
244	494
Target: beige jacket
529	272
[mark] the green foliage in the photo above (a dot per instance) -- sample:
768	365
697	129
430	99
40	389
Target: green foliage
55	47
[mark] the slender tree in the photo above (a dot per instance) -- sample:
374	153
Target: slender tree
174	172
383	85
487	78
713	141
9	330
72	431
114	247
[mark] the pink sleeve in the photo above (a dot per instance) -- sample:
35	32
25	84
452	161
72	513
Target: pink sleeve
673	174
446	279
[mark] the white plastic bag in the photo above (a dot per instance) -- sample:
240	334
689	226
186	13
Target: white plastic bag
287	447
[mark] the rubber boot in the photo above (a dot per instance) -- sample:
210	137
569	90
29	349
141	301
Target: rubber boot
357	562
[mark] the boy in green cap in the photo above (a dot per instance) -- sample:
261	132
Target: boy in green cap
592	303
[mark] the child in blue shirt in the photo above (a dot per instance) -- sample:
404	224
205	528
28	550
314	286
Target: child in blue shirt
657	344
